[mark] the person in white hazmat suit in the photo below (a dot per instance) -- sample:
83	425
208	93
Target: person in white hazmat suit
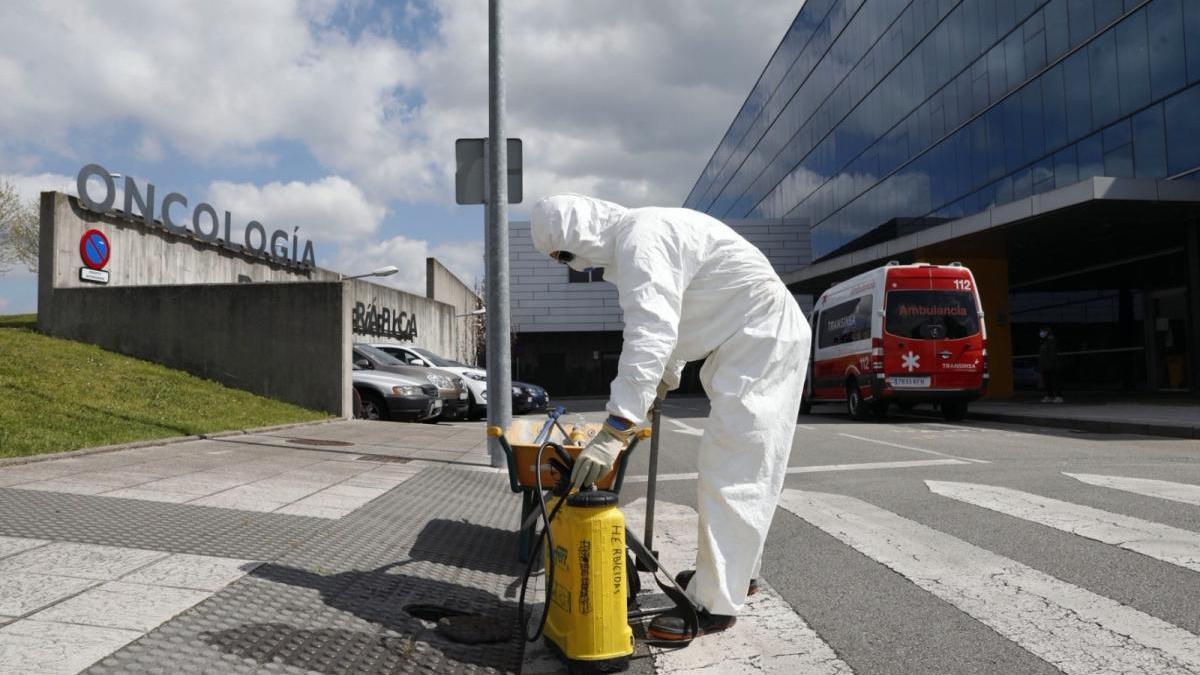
691	288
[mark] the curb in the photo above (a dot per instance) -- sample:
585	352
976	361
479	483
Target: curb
1096	426
1088	425
171	440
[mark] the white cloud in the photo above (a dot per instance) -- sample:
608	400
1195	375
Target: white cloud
30	187
330	209
625	100
622	100
465	259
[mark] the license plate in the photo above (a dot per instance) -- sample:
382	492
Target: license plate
914	382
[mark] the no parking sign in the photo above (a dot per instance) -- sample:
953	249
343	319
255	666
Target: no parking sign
95	251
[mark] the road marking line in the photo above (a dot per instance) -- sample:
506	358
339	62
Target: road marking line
1077	631
1176	492
909	447
684	428
1161	542
687	428
820	468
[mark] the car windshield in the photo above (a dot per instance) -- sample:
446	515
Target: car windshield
925	315
379	355
434	358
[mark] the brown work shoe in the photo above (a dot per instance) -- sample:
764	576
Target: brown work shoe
671	626
684	577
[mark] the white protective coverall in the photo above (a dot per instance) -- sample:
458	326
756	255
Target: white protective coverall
690	288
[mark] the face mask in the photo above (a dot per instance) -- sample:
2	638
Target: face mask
1042	333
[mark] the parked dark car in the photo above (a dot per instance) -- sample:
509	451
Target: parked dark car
527	398
391	396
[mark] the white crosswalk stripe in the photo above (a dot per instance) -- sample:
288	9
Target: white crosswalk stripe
1176	492
909	447
1072	628
1162	542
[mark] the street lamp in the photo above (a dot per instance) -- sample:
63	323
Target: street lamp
381	272
476	312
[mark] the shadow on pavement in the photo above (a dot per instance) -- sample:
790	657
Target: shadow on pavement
470	546
378	597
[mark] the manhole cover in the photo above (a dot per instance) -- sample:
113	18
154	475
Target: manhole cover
318	441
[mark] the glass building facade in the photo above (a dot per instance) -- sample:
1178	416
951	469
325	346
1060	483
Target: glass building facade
875	119
873	110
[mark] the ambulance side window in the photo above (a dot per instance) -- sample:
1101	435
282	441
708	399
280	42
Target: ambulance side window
849	321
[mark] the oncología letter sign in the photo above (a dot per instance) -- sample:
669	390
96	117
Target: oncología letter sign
205	222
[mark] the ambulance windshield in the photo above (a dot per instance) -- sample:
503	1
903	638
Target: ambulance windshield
932	315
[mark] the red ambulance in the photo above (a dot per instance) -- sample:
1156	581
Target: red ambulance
901	334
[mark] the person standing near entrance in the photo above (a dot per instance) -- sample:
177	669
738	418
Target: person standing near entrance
691	288
1048	366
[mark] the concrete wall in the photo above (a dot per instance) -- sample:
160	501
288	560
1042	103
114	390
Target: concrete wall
385	314
230	315
288	341
443	286
143	256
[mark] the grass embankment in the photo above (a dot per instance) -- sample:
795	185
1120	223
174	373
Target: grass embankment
58	395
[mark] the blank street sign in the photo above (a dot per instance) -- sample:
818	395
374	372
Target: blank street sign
471	160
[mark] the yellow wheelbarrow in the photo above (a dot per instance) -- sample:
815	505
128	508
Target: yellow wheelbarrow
521	442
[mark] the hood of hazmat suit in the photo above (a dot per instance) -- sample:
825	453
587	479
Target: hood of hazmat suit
693	289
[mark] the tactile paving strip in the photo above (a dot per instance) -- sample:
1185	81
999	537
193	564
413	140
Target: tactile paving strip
335	603
158	526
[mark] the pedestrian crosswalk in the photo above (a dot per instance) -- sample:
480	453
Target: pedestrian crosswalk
1166	543
1079	627
1077	631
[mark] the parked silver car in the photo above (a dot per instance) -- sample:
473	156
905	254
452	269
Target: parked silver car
451	388
392	396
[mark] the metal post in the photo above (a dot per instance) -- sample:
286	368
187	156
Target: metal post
652	479
499	366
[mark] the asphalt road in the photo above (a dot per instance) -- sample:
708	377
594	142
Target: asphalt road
893	544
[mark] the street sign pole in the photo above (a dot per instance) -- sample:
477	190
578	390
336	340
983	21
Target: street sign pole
499	364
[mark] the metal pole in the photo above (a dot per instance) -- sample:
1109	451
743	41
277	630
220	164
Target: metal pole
652	479
499	365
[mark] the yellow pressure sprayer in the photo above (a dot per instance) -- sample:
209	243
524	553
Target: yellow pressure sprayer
587	619
588	572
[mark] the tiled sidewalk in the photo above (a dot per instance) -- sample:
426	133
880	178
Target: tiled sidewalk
231	474
64	605
138	560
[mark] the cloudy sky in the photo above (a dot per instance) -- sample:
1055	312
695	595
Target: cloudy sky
340	116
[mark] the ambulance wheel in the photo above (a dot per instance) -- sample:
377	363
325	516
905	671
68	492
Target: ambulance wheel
854	402
953	411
